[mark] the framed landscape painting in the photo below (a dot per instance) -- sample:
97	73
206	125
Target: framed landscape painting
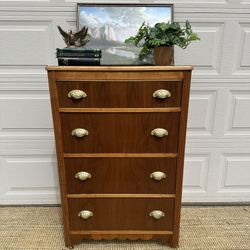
109	25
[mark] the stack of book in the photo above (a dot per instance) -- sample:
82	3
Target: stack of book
78	56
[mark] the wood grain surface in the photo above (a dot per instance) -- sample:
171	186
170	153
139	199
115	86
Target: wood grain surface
181	154
116	133
119	94
121	214
121	175
120	153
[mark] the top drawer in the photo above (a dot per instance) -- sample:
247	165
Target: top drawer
120	94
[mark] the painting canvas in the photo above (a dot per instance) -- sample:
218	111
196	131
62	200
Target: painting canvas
109	26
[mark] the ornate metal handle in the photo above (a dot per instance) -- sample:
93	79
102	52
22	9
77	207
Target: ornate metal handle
85	214
79	132
158	175
77	94
157	214
161	94
82	176
159	132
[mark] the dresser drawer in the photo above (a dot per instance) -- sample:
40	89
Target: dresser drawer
121	214
116	132
118	94
121	175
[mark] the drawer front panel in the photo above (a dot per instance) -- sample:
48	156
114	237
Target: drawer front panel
121	175
121	214
119	133
119	94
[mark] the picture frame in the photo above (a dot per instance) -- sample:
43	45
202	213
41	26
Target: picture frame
110	24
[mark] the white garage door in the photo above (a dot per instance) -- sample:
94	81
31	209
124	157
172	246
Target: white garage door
217	163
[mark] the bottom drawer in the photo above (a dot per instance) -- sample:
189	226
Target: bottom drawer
121	214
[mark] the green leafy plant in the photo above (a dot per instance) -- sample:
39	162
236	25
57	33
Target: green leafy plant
162	34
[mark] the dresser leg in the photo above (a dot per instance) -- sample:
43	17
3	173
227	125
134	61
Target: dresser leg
69	243
174	243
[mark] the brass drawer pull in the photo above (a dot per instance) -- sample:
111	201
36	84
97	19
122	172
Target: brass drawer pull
159	132
157	214
161	94
85	214
158	175
82	176
79	132
77	94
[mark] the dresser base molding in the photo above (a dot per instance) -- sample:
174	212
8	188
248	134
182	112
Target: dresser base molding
164	236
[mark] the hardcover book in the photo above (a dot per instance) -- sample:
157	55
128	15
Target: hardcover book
66	61
78	52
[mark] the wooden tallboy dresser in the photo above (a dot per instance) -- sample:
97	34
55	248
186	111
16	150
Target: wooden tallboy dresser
120	140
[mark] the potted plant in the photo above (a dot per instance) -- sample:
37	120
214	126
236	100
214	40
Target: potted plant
160	40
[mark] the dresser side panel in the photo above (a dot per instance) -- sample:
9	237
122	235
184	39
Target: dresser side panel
181	154
59	152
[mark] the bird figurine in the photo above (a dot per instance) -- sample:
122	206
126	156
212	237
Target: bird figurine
77	39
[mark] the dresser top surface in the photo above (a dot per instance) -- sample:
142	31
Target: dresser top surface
119	68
